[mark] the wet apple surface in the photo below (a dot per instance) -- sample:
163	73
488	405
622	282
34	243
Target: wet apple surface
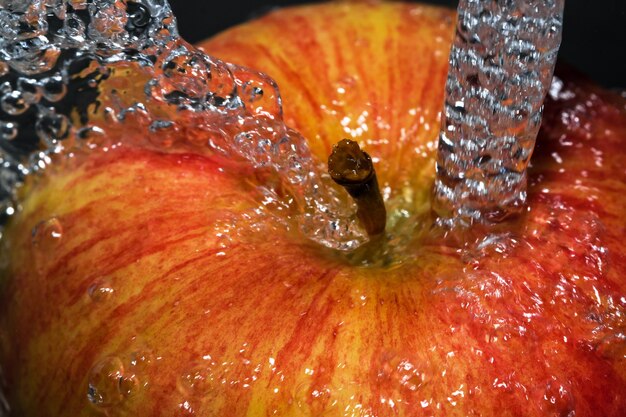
143	278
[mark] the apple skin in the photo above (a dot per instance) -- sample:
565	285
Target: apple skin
359	71
117	273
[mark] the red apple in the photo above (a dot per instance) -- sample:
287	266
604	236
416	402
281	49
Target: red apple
121	298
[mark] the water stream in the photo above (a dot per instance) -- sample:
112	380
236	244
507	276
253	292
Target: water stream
501	67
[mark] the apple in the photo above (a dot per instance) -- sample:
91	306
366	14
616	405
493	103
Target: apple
124	295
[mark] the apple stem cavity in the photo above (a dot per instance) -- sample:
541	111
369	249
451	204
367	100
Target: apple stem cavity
353	169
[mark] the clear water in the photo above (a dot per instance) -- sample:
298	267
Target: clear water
501	66
55	56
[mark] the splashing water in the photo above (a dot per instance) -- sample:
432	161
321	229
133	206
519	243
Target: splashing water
501	66
64	65
64	62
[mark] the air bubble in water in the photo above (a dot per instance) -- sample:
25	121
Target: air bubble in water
8	131
53	88
30	89
33	56
45	239
14	103
51	126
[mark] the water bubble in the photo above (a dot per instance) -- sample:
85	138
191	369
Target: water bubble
108	384
185	408
74	28
259	93
8	130
33	56
92	137
406	375
185	77
53	88
197	382
51	126
101	290
108	23
316	399
158	125
138	18
14	103
30	89
221	83
78	4
47	235
140	362
46	238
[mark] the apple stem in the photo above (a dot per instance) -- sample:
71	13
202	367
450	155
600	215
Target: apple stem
353	169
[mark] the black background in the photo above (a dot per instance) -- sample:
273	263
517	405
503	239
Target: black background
594	38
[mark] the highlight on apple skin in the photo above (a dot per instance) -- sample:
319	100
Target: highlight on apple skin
126	293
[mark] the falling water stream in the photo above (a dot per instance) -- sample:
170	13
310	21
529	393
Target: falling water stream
501	67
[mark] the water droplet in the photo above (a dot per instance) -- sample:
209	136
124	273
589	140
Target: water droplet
34	56
140	362
138	18
159	125
558	400
259	93
316	399
92	137
47	235
108	383
101	290
405	374
74	28
197	382
185	408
